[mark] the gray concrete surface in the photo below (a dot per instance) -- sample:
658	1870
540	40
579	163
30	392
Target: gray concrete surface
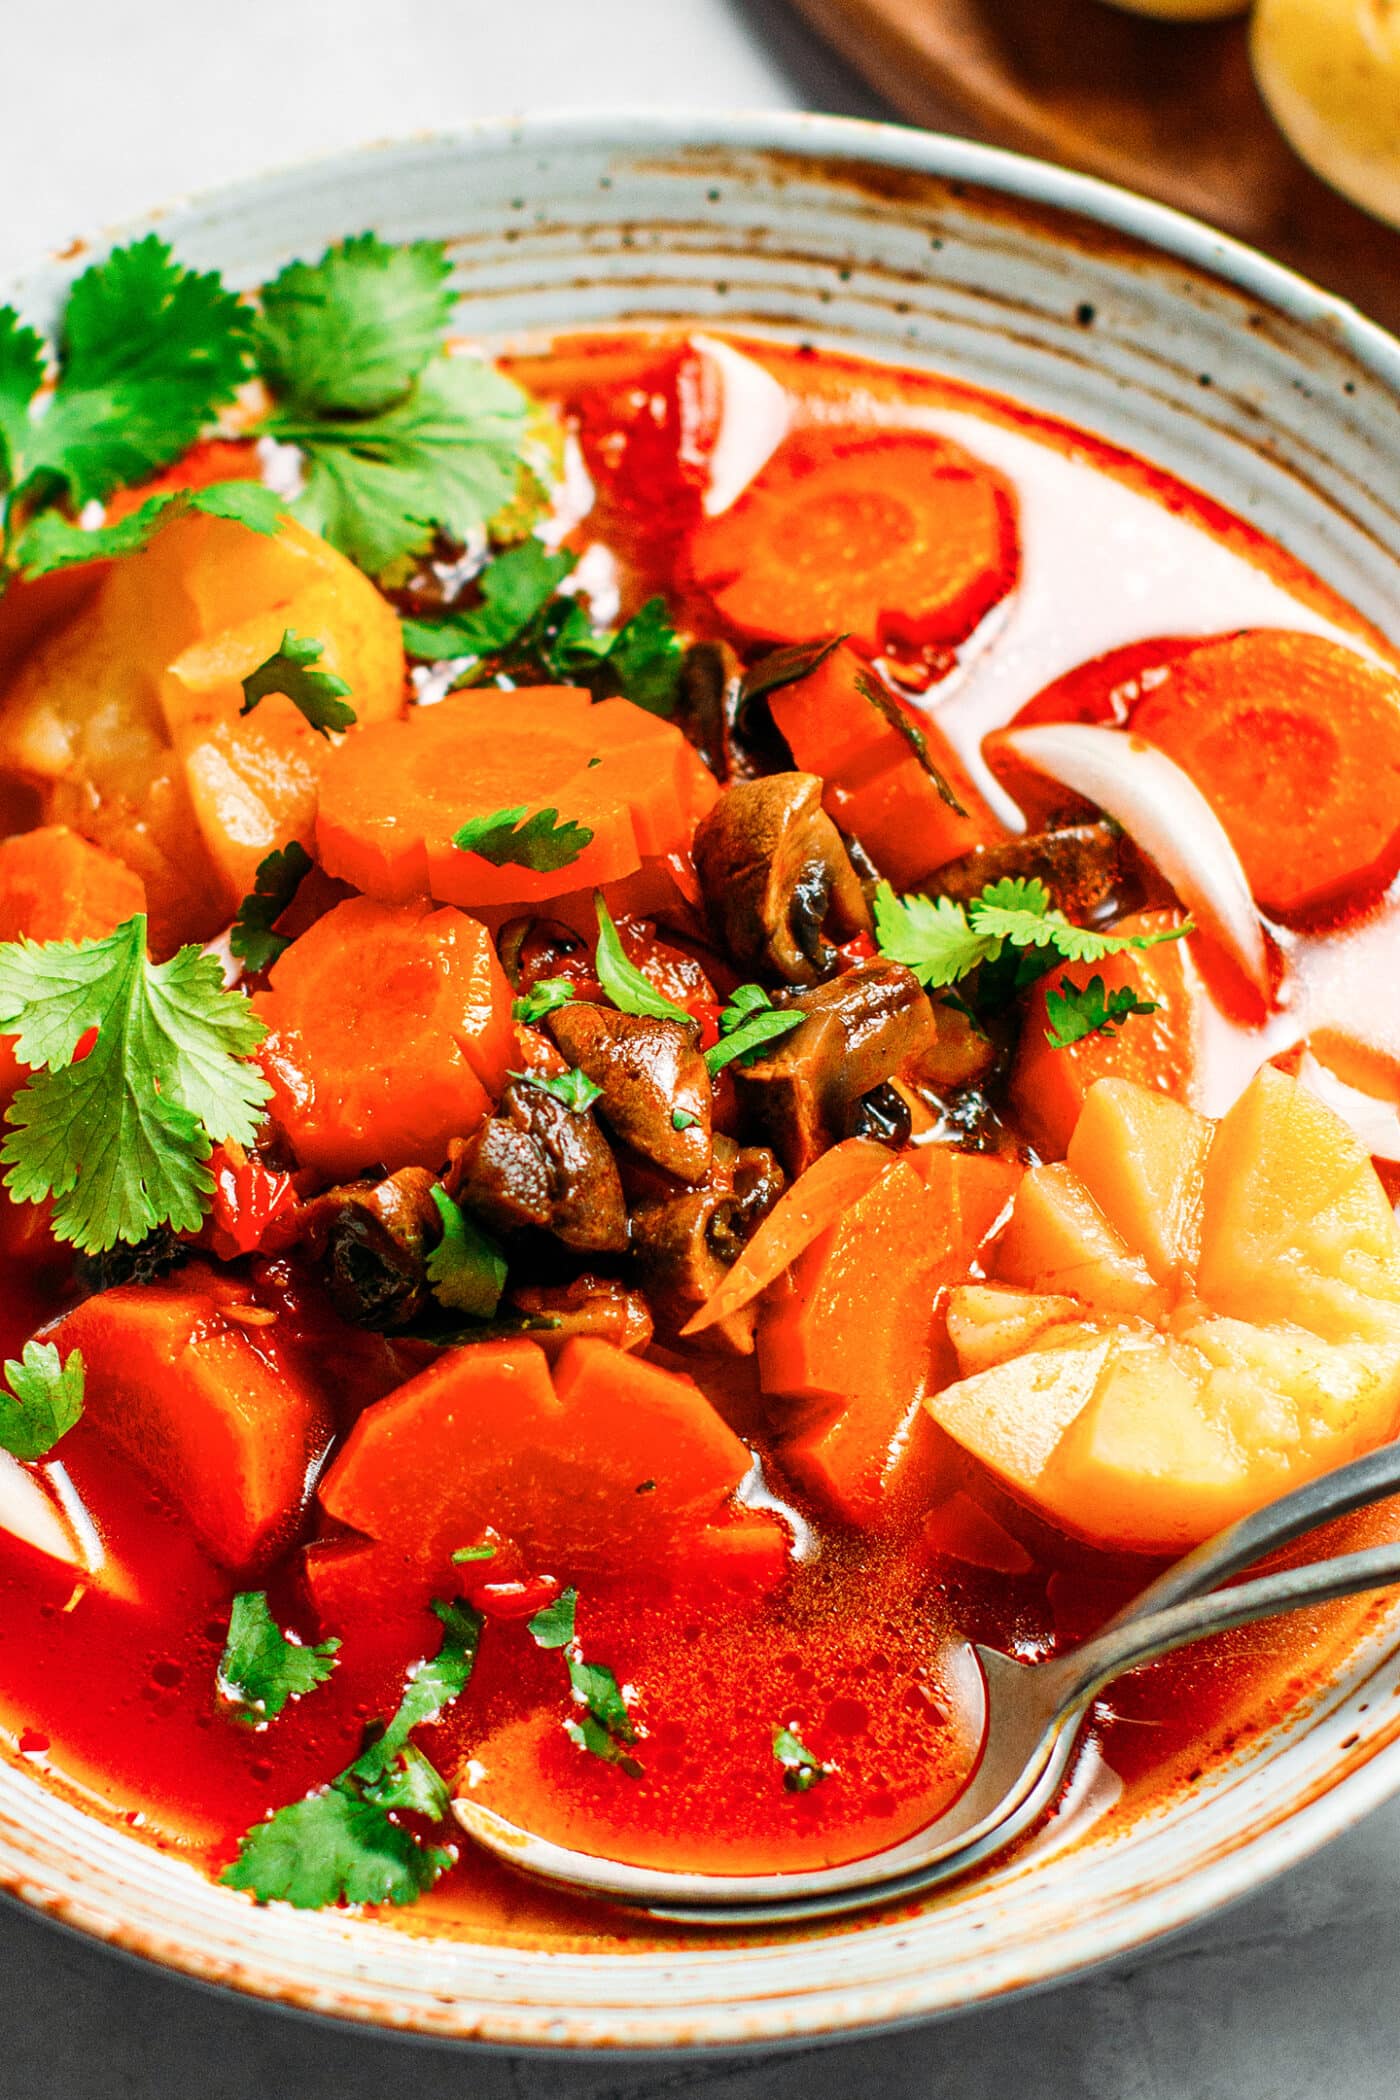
107	106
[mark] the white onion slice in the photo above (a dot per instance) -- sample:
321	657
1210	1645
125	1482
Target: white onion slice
1376	1123
32	1511
755	413
1166	815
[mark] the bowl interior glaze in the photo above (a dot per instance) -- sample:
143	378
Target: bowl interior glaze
1082	301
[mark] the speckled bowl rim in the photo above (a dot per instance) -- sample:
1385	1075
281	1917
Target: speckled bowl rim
80	1871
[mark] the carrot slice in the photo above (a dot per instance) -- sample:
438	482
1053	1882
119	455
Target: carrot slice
852	1324
876	786
815	1200
1157	1050
902	536
608	1464
390	1035
55	886
1295	742
215	1412
393	798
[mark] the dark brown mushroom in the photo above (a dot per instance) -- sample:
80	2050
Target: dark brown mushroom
862	1028
538	1163
589	1305
1087	868
685	1242
656	1086
777	878
373	1239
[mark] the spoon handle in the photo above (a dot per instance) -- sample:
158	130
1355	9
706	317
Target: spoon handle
1336	1494
1130	1642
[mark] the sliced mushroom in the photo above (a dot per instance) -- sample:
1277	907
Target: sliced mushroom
1087	868
685	1242
777	878
656	1087
538	1163
373	1239
862	1028
593	1305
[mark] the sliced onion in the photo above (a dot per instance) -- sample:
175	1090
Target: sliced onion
31	1511
1375	1123
1166	815
755	413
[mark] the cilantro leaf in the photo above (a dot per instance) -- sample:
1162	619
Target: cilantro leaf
341	1844
293	670
335	1846
553	1627
747	1025
119	1139
467	1553
642	661
544	997
629	990
350	334
682	1119
149	351
279	876
43	1401
50	541
515	589
1079	1010
466	1269
21	375
942	941
574	1088
801	1771
260	1669
541	841
442	459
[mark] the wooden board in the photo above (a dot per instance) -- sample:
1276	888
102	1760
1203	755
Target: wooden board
1166	108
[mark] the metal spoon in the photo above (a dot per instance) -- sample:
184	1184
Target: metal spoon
1032	1717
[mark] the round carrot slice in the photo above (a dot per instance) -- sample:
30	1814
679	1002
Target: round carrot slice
393	797
390	1035
903	536
1295	742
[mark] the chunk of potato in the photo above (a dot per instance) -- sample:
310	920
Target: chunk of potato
125	717
1225	1320
1330	72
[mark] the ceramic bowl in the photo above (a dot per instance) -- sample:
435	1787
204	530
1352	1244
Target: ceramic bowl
1082	300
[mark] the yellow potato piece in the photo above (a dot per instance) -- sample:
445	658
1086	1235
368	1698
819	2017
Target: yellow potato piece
125	718
1142	1156
1059	1240
1330	73
1273	1357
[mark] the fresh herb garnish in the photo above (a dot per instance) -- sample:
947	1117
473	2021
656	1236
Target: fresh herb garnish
1079	1010
682	1119
149	351
51	541
604	1728
350	334
629	991
574	1088
260	1669
801	1771
470	1553
544	997
279	876
119	1137
466	1269
41	1400
341	1844
942	941
507	838
294	670
526	629
747	1025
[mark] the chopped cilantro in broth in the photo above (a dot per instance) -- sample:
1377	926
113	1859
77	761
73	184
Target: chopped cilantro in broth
549	895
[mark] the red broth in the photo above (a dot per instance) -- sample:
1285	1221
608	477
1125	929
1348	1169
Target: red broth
108	1689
